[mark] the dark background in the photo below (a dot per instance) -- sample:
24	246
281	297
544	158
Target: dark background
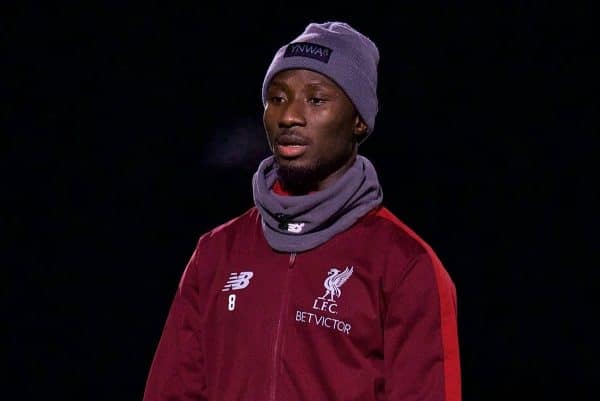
130	129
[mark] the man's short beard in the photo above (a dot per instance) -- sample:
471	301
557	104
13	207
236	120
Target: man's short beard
299	180
302	180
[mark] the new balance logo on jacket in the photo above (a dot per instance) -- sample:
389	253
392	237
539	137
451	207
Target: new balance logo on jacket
237	281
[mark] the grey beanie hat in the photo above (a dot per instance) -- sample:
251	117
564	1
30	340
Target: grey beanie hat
340	52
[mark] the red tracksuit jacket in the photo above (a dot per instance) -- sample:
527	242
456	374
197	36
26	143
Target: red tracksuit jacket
368	315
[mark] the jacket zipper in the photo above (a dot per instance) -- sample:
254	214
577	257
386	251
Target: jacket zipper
278	335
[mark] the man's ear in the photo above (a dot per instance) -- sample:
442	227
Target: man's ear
360	127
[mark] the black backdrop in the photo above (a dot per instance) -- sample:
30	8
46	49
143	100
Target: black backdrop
132	128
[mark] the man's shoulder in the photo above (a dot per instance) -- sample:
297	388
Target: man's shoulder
243	222
402	238
388	227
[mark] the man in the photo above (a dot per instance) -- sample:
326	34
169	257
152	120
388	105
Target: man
318	292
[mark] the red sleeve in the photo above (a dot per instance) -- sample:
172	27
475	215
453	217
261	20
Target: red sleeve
177	370
420	335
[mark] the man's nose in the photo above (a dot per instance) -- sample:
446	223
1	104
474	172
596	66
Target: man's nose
293	113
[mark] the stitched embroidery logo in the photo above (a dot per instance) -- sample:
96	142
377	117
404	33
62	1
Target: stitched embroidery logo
310	50
238	281
295	228
335	279
327	302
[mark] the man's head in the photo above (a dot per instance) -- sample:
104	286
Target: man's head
320	98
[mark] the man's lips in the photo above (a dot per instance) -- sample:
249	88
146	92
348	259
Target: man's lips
291	139
290	151
290	146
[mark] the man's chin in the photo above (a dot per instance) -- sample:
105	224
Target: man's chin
296	178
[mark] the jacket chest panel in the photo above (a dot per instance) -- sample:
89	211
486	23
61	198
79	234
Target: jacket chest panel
282	315
319	294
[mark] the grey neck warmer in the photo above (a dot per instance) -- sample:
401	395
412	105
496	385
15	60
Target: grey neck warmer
300	223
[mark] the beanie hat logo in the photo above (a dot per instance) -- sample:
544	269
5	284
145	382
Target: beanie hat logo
311	50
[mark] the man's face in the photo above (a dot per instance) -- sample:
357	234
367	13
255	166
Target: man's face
312	128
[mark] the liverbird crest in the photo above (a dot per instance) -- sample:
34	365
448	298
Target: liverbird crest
335	279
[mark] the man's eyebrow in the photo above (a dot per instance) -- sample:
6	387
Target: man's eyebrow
320	84
316	84
278	83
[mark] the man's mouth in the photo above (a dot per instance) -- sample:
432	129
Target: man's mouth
291	146
290	151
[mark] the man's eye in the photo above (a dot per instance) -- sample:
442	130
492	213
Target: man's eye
276	99
316	100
